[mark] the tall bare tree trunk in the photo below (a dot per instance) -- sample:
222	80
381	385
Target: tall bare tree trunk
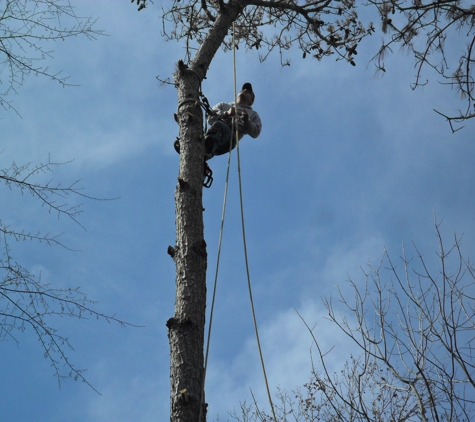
186	328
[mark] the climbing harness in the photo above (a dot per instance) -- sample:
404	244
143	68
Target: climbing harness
234	127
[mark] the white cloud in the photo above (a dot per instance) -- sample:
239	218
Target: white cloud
288	351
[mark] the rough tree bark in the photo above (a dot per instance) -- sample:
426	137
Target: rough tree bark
186	328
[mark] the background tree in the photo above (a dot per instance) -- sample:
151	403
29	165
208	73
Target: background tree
439	35
413	329
24	28
26	302
418	325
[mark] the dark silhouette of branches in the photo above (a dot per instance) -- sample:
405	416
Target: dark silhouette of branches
25	25
359	392
438	34
52	196
26	302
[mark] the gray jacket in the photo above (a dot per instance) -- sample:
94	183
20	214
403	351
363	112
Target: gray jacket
253	126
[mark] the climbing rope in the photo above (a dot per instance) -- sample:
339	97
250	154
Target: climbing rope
245	247
210	325
223	214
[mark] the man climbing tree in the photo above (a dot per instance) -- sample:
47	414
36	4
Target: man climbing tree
220	137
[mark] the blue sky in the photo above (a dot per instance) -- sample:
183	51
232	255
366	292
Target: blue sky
346	165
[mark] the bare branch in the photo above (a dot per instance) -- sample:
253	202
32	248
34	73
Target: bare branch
423	31
25	301
24	27
318	28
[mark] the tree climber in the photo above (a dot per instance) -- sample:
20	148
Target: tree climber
222	133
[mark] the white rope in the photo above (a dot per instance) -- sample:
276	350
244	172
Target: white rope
223	214
245	253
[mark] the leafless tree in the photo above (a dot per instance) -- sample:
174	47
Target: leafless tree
25	26
413	330
360	392
419	324
27	304
440	35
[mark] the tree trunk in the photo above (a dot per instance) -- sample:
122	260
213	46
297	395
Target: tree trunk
186	328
